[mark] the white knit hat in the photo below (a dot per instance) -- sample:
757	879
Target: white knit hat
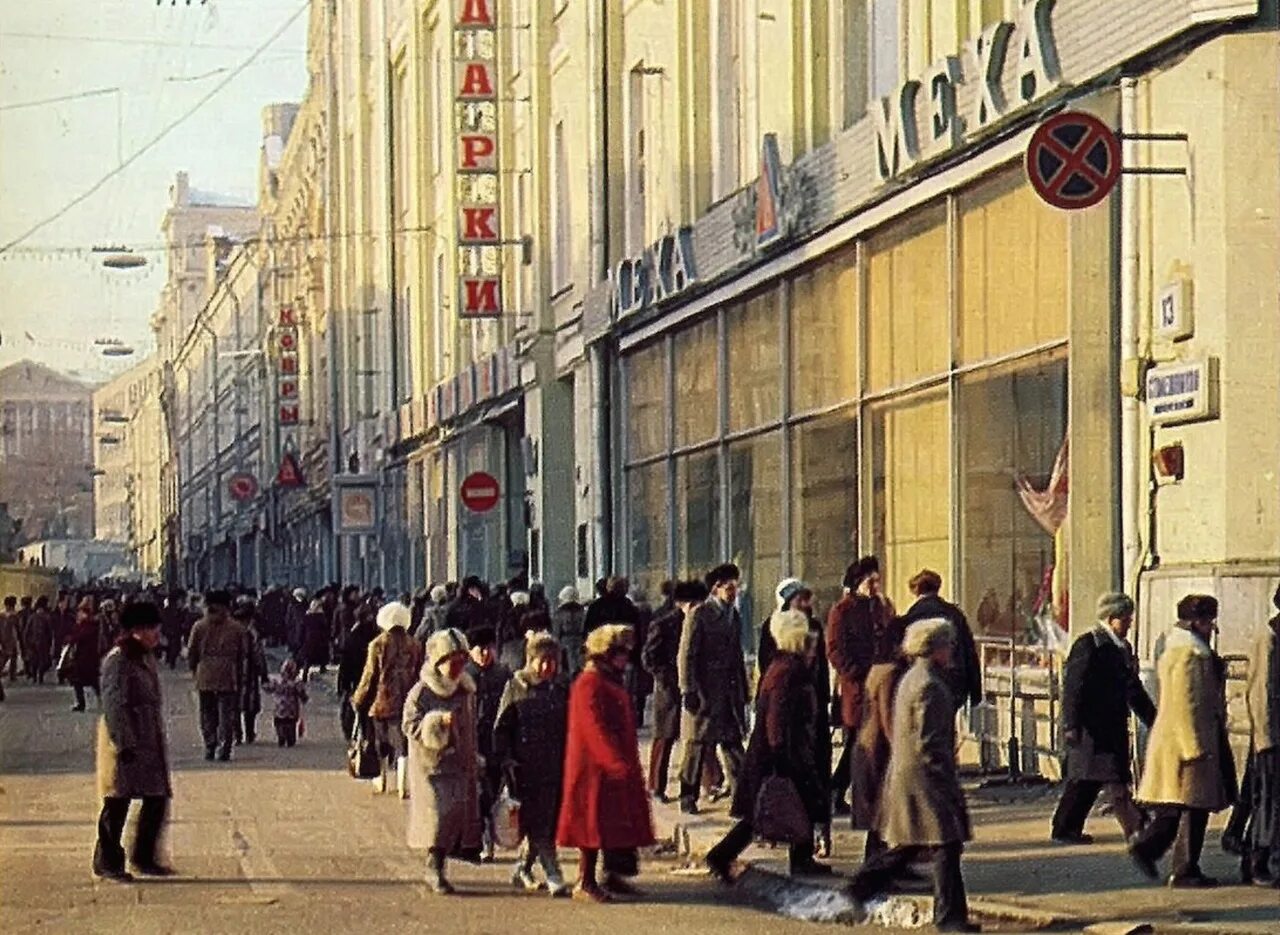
568	595
394	614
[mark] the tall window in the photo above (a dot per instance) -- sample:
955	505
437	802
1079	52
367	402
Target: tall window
727	93
885	43
437	332
636	206
439	120
560	258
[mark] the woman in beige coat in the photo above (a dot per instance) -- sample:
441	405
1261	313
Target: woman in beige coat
1189	769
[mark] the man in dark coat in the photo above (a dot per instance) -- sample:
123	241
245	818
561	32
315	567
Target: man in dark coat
490	677
132	757
639	680
659	657
173	626
1100	688
613	606
355	651
713	685
470	609
852	627
965	675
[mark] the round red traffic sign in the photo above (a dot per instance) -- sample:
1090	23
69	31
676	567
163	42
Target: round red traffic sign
243	487
480	492
1073	160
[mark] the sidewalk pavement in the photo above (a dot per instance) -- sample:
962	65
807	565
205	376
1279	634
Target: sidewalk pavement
1017	879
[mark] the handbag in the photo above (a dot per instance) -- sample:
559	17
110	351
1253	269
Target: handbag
780	815
362	755
506	821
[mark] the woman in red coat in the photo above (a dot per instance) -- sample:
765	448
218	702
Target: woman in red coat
605	805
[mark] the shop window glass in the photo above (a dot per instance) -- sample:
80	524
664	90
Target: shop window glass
648	516
647	401
824	492
1013	270
697	405
697	513
910	489
752	333
1011	425
755	524
824	333
908	326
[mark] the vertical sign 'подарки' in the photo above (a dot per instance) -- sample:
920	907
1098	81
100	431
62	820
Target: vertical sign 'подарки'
478	224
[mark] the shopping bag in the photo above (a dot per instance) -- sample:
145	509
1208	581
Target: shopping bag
780	815
362	754
65	661
506	821
302	727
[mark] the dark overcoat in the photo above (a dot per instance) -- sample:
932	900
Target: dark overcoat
712	668
784	739
132	756
965	672
658	656
528	740
1100	688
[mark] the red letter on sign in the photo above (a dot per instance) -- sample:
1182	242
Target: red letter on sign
289	415
475	149
288	363
288	318
477	224
288	341
481	297
476	13
476	82
288	389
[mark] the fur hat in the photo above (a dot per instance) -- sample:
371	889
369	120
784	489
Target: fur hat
722	574
790	630
689	592
483	635
1114	605
439	594
300	594
860	571
540	643
1198	607
519	598
568	595
605	639
924	637
787	590
441	645
394	614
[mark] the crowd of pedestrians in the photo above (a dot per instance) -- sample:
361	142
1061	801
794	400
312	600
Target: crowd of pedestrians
507	722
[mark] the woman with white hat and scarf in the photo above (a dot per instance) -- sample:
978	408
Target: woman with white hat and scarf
440	724
390	670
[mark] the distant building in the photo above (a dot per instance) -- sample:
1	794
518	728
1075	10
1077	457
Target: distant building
85	559
46	452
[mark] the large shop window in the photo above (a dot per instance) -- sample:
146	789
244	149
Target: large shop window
755	521
1012	425
697	513
824	333
908	327
755	362
910	489
649	517
697	403
1013	262
824	492
646	422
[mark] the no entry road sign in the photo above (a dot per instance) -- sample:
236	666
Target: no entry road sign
1073	161
480	492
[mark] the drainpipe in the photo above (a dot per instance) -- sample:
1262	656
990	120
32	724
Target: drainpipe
1130	314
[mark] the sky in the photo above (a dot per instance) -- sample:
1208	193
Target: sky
162	57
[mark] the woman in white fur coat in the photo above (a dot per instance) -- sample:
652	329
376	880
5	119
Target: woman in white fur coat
440	724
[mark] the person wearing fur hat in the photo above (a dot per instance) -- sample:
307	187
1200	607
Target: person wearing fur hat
1100	687
852	625
1260	835
390	671
568	626
922	810
1190	772
490	678
783	743
440	724
605	806
529	743
659	657
713	685
255	672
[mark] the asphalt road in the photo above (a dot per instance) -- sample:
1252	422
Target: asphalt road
276	841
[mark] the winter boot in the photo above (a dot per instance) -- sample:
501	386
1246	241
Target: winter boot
380	782
435	874
556	885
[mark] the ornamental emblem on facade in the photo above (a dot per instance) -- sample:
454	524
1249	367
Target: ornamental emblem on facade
769	210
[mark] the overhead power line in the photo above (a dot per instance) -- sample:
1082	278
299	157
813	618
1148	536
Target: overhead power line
155	140
134	41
